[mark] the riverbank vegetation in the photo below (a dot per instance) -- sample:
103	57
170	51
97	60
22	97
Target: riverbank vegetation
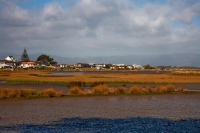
101	89
87	79
29	93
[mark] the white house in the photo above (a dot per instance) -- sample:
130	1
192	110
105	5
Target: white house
135	66
28	64
10	58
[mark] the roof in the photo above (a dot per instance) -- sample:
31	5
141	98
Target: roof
32	63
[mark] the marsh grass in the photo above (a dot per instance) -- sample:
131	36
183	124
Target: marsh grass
29	93
75	91
76	83
96	83
139	90
50	92
5	73
165	89
101	89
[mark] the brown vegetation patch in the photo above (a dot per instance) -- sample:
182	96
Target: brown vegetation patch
29	93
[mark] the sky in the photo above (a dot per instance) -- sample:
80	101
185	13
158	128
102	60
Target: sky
92	28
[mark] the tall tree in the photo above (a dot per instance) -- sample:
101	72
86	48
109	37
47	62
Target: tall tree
45	59
24	57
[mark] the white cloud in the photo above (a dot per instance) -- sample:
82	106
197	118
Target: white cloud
103	27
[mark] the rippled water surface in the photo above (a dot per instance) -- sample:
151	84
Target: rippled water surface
38	111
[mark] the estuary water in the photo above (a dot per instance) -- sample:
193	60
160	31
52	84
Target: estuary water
45	110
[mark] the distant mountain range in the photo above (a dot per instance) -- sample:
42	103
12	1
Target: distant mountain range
176	59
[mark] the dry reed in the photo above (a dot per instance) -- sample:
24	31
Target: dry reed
29	93
100	90
139	89
165	89
75	91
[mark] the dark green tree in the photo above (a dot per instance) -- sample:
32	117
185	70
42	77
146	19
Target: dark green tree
148	67
24	57
45	59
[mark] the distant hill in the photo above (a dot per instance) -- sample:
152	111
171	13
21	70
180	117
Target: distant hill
177	59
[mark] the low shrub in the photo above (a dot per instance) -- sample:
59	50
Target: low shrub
14	93
49	92
59	93
18	93
165	89
139	89
30	93
120	90
180	89
75	91
147	89
135	89
100	90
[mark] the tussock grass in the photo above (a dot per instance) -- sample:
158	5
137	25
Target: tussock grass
165	89
100	90
75	91
139	90
181	89
50	92
120	90
28	93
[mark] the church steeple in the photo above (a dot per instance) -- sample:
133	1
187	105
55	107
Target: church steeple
24	57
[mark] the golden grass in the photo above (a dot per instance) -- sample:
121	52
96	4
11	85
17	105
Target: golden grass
26	76
100	90
29	93
75	91
165	89
50	92
139	90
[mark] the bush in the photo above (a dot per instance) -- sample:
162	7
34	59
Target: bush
14	93
180	89
59	94
135	89
170	88
49	92
100	90
120	90
165	89
138	89
30	93
75	91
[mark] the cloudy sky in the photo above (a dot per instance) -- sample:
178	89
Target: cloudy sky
89	28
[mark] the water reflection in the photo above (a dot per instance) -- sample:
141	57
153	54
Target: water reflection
136	124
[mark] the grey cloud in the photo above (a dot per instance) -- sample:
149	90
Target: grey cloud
103	27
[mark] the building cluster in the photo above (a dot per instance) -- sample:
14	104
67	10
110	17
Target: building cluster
11	63
25	63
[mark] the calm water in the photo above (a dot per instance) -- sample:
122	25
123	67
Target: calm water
38	111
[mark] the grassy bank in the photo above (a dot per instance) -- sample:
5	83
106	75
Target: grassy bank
101	89
45	77
29	93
